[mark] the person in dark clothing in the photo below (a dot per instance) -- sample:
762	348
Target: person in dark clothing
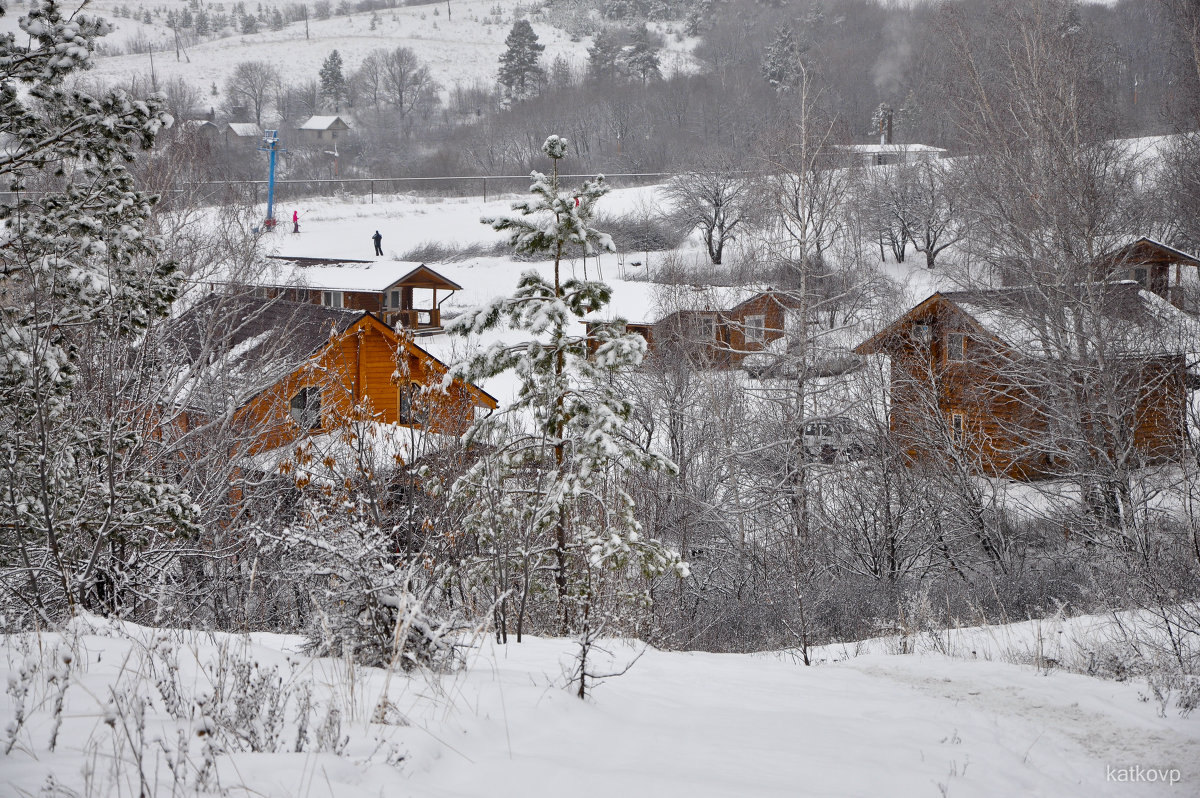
378	239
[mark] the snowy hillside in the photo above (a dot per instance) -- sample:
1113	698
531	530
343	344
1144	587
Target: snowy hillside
460	50
109	709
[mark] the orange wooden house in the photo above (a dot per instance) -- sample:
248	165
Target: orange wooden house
283	370
978	373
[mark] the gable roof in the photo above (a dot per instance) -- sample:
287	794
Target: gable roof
323	123
425	277
245	129
1145	248
238	345
1131	321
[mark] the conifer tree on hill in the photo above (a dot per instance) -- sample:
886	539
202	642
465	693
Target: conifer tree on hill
333	81
521	72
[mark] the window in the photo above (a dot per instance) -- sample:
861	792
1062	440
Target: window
956	346
922	334
412	408
706	327
956	427
394	300
756	328
331	299
305	408
1141	276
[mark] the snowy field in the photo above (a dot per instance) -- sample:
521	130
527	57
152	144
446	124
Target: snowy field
111	710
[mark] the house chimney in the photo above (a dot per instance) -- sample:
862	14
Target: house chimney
885	124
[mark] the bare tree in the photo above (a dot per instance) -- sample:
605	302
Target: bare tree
714	200
252	85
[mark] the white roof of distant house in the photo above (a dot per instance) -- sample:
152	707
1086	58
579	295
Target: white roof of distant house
197	123
890	148
321	122
373	277
245	129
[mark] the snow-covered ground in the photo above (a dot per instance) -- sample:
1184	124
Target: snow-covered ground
677	724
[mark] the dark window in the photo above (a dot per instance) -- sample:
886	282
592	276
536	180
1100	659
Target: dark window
1141	276
922	334
956	427
956	346
306	408
756	328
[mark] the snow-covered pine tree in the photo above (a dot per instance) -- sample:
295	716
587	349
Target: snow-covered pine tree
781	64
333	81
641	59
521	72
549	499
79	506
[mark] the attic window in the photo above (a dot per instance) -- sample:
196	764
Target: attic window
332	299
756	328
956	346
305	408
922	334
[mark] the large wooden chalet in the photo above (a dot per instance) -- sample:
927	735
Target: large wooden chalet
404	295
979	372
283	370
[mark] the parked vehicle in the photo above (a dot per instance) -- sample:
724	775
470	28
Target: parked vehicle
836	438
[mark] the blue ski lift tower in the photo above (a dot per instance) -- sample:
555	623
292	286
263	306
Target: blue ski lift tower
270	145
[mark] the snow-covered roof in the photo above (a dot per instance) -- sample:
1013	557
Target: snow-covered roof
322	123
671	299
375	277
1130	322
232	347
245	129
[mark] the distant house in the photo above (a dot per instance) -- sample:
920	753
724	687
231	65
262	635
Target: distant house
884	154
201	129
317	129
978	372
403	294
717	334
286	370
242	135
1168	272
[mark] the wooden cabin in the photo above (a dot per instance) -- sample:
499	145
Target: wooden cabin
1168	272
981	373
285	370
404	295
717	337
